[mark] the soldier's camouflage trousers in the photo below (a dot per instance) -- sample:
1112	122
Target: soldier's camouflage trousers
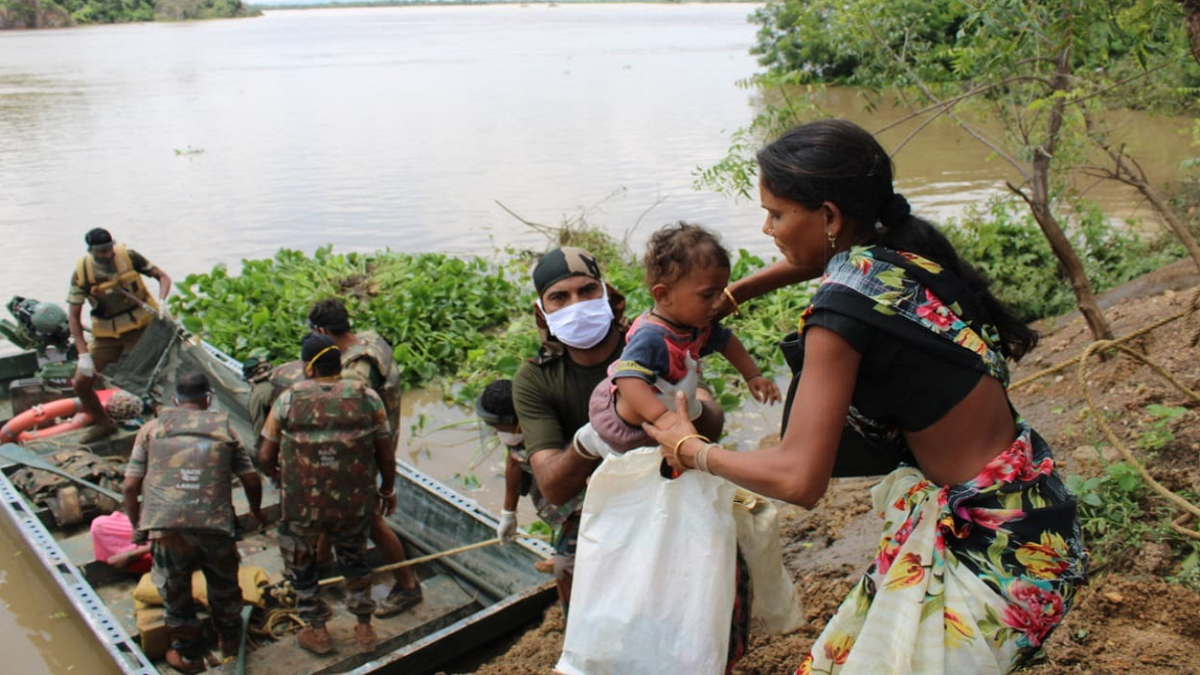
298	547
176	555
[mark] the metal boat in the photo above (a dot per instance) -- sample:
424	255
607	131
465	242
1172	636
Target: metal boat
470	598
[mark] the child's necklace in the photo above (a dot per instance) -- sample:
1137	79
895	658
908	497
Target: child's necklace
673	324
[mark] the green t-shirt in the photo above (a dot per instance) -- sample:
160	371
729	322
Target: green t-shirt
552	399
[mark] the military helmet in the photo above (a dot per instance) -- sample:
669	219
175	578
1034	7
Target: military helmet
257	364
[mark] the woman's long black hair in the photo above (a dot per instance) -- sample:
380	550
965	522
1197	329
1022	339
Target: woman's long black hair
839	162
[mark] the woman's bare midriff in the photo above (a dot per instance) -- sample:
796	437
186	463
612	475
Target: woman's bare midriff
957	447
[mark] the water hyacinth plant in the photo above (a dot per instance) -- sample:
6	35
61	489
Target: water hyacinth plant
455	322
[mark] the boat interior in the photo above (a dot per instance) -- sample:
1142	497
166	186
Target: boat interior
469	598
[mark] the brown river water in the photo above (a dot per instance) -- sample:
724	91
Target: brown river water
211	142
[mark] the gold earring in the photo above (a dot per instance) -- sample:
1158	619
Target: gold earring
832	240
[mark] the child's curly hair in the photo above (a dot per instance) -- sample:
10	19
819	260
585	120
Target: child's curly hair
680	247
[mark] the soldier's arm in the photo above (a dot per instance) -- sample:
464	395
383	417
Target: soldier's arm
164	283
268	452
251	482
132	487
75	324
252	486
135	472
385	459
144	266
268	458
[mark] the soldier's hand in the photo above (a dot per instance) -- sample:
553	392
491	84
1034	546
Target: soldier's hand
86	366
387	503
507	527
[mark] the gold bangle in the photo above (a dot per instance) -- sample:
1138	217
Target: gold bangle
679	444
732	300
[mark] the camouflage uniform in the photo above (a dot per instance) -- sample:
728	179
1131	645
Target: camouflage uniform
326	430
187	460
371	362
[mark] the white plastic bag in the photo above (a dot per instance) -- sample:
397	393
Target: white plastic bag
654	572
776	607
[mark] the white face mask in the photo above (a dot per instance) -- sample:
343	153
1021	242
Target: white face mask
510	439
581	325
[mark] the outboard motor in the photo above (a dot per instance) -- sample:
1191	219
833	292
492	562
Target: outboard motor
40	326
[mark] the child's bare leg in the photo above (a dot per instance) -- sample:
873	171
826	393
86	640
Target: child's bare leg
626	411
711	421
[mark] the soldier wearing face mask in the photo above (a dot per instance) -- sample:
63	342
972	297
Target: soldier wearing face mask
582	325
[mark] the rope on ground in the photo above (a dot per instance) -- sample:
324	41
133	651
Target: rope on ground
1190	510
1193	309
1192	312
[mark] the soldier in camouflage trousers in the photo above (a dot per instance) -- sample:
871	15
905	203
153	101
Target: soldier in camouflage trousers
182	466
367	357
323	443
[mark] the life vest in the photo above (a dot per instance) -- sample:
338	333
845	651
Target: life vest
189	473
113	312
374	348
327	452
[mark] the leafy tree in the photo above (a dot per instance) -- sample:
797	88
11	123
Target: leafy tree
1039	71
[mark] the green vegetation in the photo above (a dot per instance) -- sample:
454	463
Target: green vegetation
455	322
1029	80
61	13
1119	513
1002	240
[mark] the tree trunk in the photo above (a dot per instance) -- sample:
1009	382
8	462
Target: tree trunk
1039	203
1067	257
1192	21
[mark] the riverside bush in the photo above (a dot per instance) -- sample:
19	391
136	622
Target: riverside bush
454	322
1002	240
458	322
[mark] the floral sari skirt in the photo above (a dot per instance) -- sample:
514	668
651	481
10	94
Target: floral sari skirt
969	578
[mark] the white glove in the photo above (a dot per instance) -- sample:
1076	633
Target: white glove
688	385
507	527
588	440
163	313
86	366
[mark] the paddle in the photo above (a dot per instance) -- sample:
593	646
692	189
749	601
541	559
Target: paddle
20	455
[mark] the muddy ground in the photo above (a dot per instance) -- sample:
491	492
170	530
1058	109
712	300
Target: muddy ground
1128	618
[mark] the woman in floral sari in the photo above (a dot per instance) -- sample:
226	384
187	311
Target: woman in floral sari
901	368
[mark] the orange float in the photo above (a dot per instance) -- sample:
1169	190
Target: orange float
25	427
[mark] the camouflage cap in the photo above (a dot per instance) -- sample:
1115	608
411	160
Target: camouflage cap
256	366
560	263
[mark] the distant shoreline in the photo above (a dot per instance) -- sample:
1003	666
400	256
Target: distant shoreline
441	3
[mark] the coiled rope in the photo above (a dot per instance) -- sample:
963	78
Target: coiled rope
1190	511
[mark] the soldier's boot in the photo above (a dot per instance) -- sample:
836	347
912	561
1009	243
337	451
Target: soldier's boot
183	664
229	648
315	639
186	653
364	637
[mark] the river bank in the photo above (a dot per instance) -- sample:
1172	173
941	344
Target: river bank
1128	618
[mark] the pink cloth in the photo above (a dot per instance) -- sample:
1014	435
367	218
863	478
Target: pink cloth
111	535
